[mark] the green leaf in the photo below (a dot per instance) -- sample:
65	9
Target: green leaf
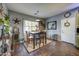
1	21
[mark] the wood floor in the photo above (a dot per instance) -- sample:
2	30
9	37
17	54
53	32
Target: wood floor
55	48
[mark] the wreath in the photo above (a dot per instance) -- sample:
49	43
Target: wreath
67	24
67	14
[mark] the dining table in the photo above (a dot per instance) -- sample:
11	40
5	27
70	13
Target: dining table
33	34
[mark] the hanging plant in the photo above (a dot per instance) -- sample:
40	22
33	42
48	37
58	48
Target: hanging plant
6	17
7	24
1	21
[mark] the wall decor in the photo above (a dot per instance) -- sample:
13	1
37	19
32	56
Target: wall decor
67	14
16	20
66	24
52	25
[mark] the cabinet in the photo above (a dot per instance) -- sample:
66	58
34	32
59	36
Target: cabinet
77	30
77	41
77	20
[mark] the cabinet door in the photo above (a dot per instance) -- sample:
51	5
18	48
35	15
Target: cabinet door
77	41
77	21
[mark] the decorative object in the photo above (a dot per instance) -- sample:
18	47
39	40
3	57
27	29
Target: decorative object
52	25
4	29
1	10
67	14
15	34
16	20
66	24
7	24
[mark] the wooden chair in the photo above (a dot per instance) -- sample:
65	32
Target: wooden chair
42	37
37	39
55	37
29	38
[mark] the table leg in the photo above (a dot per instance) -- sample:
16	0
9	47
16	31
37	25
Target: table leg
45	39
33	43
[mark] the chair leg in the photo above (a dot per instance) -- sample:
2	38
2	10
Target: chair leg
39	43
29	41
36	42
43	42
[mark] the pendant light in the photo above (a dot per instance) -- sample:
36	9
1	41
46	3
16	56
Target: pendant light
37	19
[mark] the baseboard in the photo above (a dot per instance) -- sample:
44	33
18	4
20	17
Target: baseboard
71	44
68	43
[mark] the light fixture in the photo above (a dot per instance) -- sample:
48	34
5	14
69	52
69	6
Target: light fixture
36	15
37	20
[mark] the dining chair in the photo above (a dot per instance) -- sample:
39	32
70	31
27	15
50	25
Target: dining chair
42	37
37	39
29	38
55	37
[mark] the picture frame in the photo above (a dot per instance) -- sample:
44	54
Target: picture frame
52	25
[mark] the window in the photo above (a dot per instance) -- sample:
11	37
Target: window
29	26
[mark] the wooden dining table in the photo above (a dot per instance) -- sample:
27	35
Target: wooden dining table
33	33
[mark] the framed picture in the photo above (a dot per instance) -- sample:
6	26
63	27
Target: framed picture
52	25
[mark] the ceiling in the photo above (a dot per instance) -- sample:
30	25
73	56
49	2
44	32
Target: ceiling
45	9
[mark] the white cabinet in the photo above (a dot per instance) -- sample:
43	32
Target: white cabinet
77	21
77	31
77	41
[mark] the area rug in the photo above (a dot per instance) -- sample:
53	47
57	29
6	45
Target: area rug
30	46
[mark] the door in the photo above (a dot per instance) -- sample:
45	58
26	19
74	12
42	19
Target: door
68	32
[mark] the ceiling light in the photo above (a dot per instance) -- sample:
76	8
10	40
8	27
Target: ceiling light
37	20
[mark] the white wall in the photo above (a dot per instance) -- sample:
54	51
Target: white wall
59	18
